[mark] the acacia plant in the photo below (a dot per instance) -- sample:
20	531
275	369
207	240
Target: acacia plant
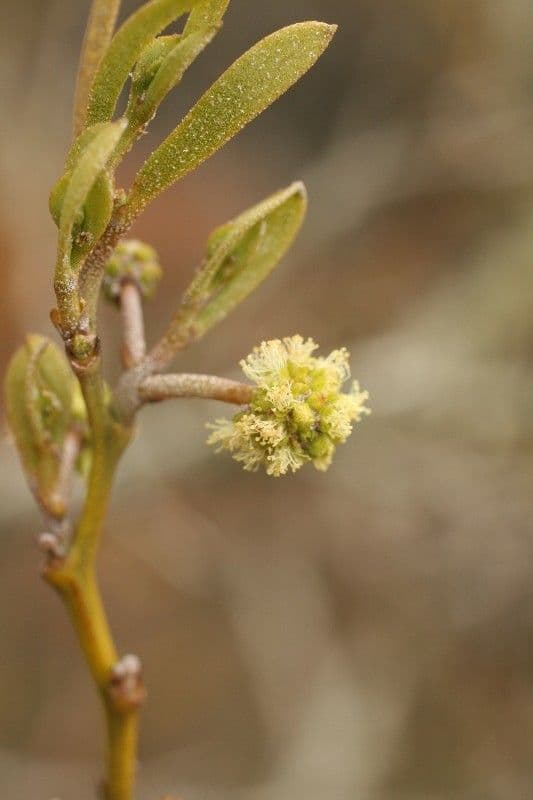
64	417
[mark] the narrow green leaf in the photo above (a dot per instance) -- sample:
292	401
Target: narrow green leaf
102	19
206	14
81	142
162	64
88	168
57	195
149	63
170	73
97	212
159	69
202	25
124	51
93	220
249	86
245	251
240	255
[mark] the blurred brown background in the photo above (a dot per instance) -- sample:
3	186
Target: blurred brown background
363	635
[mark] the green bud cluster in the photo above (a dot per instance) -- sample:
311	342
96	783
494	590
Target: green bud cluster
133	261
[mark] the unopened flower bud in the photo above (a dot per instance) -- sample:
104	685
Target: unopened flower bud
133	261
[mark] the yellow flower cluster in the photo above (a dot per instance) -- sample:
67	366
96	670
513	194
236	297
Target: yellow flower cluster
298	413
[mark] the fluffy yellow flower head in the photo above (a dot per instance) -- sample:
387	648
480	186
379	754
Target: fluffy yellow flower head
298	412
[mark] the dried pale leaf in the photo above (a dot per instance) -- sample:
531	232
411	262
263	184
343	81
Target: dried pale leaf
249	86
124	51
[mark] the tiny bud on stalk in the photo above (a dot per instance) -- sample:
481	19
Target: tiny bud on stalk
126	685
135	262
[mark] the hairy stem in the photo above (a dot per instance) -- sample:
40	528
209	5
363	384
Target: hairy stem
131	311
92	270
162	387
75	579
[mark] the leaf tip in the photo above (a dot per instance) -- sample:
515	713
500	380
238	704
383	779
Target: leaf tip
298	187
121	124
328	31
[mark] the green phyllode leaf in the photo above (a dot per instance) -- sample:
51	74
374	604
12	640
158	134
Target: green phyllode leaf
250	85
206	14
98	34
147	68
57	195
82	204
92	221
126	48
152	83
40	397
90	164
164	61
82	142
243	252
